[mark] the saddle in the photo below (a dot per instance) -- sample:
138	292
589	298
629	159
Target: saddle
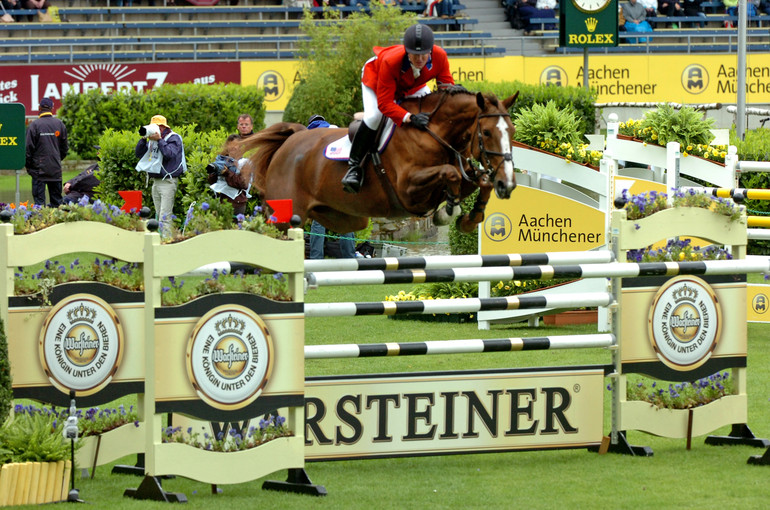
339	150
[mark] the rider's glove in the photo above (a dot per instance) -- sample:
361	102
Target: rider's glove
420	120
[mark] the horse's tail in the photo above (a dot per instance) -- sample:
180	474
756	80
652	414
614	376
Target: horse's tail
268	141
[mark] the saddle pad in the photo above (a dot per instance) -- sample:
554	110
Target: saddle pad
340	149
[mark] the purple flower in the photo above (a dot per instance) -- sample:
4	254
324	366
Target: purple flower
205	206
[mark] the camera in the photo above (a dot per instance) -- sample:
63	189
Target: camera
149	129
217	167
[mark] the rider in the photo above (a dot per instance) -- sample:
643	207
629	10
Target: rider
393	74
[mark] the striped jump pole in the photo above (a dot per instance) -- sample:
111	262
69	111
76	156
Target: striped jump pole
610	270
737	194
462	305
459	346
457	261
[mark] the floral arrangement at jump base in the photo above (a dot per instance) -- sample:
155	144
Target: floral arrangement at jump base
202	218
683	395
232	440
685	125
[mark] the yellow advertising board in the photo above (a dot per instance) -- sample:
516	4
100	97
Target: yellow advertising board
536	221
758	301
688	78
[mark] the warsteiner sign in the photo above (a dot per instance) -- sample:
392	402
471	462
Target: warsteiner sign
588	23
455	412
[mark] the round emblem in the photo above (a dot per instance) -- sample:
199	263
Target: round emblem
497	227
554	75
759	304
81	344
229	357
273	85
695	78
684	322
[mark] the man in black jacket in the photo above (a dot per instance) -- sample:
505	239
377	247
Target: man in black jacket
46	147
81	185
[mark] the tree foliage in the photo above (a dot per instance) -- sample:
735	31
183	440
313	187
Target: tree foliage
332	57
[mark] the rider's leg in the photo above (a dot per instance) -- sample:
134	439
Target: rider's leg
362	143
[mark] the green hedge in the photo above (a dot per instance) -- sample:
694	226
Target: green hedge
209	107
117	168
6	388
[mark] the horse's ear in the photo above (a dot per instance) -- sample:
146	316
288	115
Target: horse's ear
508	102
480	100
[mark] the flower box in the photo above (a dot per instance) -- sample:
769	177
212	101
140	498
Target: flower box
572	317
673	423
33	483
111	445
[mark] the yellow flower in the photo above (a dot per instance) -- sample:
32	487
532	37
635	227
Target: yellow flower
681	255
500	285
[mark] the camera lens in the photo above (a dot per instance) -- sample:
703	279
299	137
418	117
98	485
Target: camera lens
211	168
142	131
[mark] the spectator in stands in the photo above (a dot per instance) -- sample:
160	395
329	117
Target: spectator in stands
440	9
651	6
47	146
82	185
635	16
694	8
546	9
731	9
38	5
9	6
764	6
525	10
670	8
230	175
245	125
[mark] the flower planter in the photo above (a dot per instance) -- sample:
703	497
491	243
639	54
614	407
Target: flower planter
109	446
572	317
32	483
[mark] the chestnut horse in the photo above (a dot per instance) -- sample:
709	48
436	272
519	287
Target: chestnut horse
419	170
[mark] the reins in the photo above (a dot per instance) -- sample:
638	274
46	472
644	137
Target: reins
483	152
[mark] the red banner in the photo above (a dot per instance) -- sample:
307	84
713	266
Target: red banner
28	84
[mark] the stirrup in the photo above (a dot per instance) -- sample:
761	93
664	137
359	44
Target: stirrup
352	184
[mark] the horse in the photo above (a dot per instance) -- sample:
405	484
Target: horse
419	170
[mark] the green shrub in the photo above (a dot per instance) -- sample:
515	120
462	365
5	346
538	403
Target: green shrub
547	125
6	387
34	435
209	107
684	125
461	243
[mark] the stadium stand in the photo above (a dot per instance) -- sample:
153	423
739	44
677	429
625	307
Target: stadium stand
194	33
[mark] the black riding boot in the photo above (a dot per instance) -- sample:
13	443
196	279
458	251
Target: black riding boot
362	142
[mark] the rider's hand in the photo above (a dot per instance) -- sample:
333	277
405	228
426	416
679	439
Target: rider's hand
420	120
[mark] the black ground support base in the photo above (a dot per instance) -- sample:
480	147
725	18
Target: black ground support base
137	469
740	434
296	481
74	496
622	447
150	488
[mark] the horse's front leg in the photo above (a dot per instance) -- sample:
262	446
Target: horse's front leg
476	215
426	188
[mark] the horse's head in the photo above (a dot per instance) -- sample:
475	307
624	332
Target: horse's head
491	144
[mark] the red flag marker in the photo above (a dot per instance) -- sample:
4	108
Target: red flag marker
282	210
133	200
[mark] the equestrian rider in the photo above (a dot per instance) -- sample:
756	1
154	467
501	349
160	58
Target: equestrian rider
395	73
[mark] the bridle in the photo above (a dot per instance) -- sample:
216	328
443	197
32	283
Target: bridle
485	164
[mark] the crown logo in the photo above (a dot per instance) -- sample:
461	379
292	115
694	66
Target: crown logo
81	313
685	293
230	325
591	24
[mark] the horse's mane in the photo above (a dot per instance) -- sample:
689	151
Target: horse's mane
267	142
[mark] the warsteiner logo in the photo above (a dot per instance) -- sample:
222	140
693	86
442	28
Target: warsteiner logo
554	75
81	344
498	227
273	85
695	78
685	321
229	357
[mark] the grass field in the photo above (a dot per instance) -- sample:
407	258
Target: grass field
703	477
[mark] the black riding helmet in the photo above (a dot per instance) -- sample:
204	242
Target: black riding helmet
418	39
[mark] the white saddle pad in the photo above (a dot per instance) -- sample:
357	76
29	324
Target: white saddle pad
340	149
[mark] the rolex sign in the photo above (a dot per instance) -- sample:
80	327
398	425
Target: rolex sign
588	23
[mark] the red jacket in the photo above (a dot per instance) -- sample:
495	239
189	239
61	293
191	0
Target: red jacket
390	75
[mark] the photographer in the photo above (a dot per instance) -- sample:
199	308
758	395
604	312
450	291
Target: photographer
230	176
81	185
161	154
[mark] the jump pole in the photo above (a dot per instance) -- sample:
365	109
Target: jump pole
610	270
459	346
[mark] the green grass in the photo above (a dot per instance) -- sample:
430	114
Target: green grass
705	476
8	186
